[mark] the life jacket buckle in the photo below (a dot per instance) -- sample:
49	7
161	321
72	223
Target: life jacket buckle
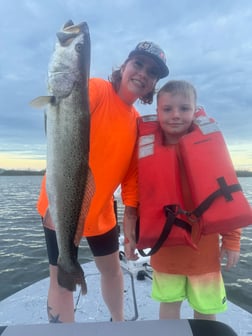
175	209
192	217
172	209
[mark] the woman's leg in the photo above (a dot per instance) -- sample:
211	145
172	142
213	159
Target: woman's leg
112	284
105	249
60	304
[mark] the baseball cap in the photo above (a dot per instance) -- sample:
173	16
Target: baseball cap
152	50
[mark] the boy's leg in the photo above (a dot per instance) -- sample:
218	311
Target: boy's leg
170	291
199	316
169	310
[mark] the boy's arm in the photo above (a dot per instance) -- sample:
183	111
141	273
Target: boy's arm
230	248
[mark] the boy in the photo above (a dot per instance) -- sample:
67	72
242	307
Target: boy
180	272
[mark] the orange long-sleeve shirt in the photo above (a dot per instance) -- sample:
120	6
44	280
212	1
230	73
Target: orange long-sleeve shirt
185	260
112	141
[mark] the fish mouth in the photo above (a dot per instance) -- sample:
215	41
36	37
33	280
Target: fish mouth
69	23
70	31
69	26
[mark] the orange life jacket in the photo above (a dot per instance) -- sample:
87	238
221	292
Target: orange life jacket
219	203
159	191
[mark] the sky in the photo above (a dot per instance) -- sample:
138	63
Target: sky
208	43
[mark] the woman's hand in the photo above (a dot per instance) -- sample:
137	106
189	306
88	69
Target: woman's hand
129	229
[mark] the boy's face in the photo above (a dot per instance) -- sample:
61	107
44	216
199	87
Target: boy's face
175	114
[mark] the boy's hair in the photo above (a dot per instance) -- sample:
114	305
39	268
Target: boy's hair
178	87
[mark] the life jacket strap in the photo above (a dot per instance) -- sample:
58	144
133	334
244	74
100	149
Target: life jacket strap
224	190
171	219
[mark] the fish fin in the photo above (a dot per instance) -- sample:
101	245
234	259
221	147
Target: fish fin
89	193
71	280
41	101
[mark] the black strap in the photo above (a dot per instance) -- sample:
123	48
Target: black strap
225	190
172	210
171	219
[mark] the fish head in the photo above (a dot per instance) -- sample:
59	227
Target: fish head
70	61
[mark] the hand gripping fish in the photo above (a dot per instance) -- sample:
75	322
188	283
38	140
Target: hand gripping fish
69	181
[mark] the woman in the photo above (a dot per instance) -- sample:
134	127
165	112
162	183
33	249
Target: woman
112	141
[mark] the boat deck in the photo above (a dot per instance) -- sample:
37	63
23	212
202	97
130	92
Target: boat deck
28	306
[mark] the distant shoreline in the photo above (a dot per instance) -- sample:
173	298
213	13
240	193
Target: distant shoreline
243	173
13	172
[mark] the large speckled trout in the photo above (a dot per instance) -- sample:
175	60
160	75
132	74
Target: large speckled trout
69	182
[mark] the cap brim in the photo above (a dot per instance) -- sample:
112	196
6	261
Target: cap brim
164	71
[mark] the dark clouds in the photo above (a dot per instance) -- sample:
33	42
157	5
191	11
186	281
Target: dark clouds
208	43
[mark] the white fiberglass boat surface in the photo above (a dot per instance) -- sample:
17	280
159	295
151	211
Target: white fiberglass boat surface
25	312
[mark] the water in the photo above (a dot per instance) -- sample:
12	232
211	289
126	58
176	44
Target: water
23	257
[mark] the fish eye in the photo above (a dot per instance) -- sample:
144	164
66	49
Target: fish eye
78	47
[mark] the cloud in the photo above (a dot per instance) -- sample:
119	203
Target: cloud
208	45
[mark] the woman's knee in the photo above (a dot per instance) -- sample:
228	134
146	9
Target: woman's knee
109	265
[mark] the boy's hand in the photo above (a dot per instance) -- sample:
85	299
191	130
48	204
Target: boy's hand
232	257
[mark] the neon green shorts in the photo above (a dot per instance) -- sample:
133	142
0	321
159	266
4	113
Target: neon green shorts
205	293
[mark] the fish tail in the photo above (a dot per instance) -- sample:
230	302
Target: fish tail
70	280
